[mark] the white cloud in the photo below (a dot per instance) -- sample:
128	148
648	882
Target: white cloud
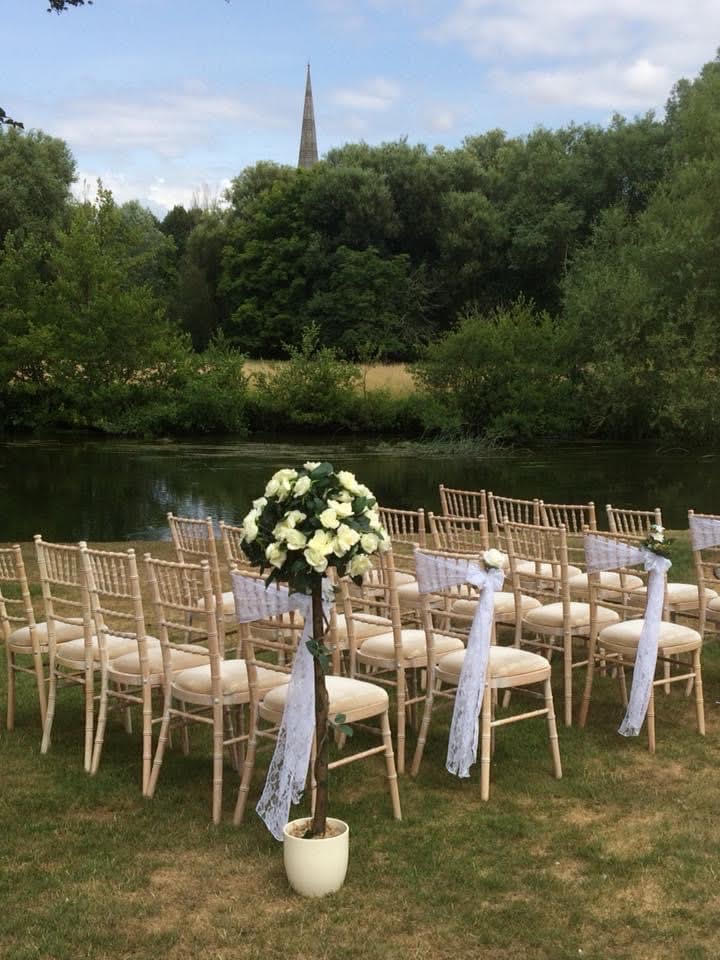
376	95
164	122
441	118
600	53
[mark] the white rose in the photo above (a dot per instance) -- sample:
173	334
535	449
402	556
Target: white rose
495	558
250	527
369	542
345	538
279	484
385	541
275	554
329	519
364	491
348	481
302	486
296	540
342	508
374	519
316	559
293	518
321	542
311	465
259	503
359	565
343	497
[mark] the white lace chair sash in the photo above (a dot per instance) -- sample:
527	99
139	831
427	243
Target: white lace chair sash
605	553
439	573
288	768
704	532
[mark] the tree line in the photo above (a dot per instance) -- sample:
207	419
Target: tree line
557	284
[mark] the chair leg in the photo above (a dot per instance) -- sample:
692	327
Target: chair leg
485	749
699	704
401	721
146	735
552	730
11	690
248	767
622	682
50	715
89	714
589	675
100	729
424	727
218	730
162	743
651	721
567	678
391	772
666	674
40	680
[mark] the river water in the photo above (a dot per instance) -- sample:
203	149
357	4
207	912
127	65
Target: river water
71	488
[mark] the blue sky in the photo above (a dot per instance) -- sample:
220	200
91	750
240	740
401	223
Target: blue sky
168	99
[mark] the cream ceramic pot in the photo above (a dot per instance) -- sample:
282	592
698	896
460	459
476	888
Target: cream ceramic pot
316	867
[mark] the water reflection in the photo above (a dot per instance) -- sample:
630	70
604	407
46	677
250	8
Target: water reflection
71	487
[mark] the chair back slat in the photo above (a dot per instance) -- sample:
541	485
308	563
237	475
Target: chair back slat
64	587
463	503
619	590
459	534
538	558
632	523
512	509
406	529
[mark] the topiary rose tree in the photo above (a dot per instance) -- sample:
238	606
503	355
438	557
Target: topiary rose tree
309	520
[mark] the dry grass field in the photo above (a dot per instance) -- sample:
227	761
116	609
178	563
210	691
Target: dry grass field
616	861
394	377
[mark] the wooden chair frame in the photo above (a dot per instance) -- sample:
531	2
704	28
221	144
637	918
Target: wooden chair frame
443	684
62	573
512	509
623	602
176	590
707	573
16	613
271	644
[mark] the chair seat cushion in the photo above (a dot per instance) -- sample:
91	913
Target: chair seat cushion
193	656
624	636
116	647
369	626
414	646
372	578
608	578
681	593
551	615
543	569
234	678
504	603
713	607
409	595
504	662
63	633
346	695
228	602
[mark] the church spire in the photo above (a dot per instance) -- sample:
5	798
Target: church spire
308	139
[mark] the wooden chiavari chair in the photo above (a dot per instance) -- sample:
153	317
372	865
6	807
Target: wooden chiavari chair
632	523
707	571
26	640
539	567
194	541
508	668
270	647
463	503
619	640
467	535
395	657
209	694
130	679
73	662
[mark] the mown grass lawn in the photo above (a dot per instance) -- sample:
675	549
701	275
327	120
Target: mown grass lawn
619	859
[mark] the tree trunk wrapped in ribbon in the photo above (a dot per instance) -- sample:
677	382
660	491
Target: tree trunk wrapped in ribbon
310	519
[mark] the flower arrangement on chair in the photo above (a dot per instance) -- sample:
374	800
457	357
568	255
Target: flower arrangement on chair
311	519
656	541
